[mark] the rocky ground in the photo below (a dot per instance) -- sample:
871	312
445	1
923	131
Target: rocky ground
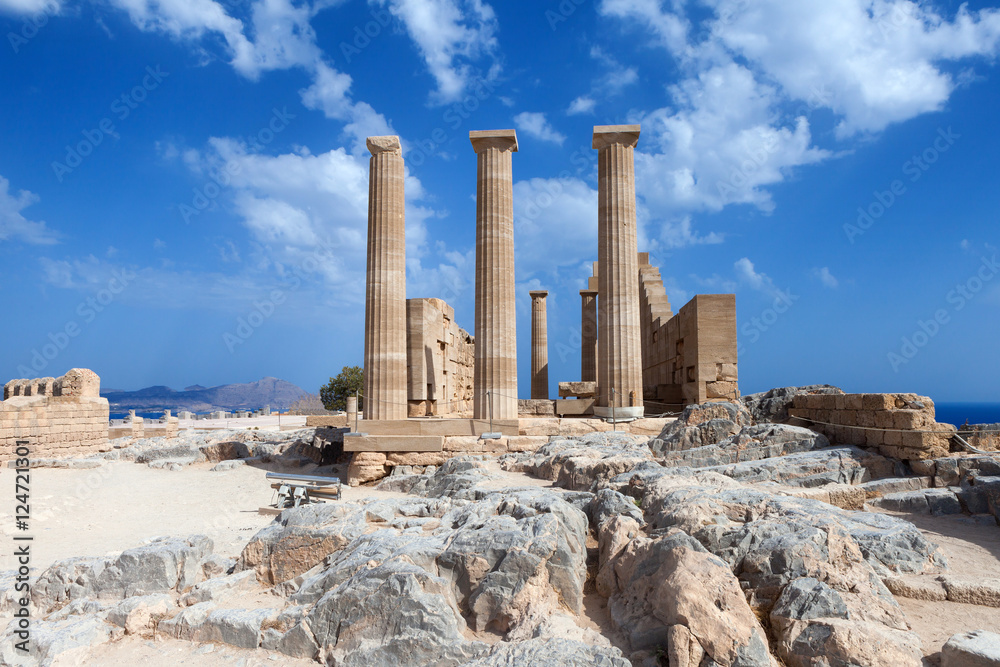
727	540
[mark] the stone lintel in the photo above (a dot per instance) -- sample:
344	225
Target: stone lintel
387	144
504	140
606	135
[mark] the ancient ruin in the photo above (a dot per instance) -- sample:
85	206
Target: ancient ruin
539	346
59	417
385	297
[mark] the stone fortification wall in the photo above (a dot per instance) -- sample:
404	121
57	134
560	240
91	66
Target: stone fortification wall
902	426
59	417
440	360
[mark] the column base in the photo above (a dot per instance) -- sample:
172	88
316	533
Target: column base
620	414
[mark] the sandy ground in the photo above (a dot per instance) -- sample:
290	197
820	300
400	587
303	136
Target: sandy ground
122	504
972	551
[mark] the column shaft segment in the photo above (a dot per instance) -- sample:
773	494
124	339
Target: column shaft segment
539	346
496	325
588	336
385	290
619	368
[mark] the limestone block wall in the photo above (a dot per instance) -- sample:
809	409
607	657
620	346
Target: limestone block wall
440	360
689	357
59	417
899	425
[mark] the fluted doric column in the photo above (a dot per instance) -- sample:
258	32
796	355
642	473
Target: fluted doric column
496	325
385	293
588	336
619	367
539	346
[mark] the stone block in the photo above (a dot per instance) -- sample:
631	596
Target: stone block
979	648
577	389
526	443
878	402
575	407
416	458
393	443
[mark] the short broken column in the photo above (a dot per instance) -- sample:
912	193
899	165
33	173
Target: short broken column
539	346
588	336
619	364
496	325
385	298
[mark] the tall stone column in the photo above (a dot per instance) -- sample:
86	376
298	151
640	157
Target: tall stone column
539	346
496	325
588	336
385	293
619	363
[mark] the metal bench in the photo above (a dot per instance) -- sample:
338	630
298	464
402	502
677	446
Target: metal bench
293	490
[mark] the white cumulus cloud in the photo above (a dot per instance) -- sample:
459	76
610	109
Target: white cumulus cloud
536	125
14	226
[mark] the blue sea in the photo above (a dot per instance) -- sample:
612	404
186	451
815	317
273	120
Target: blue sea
975	413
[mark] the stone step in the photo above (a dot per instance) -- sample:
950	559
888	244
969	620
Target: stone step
393	443
437	427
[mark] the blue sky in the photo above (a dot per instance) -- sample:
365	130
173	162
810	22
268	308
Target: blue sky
172	169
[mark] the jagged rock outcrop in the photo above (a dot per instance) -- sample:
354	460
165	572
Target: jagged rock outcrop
700	425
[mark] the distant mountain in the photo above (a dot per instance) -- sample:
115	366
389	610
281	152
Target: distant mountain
269	391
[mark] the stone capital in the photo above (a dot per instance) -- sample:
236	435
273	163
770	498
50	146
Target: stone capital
588	292
389	144
538	294
607	135
502	140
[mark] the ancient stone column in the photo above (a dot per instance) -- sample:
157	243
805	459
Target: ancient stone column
619	363
588	336
496	326
385	297
539	347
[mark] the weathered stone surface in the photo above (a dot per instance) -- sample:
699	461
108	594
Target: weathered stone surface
983	591
916	587
772	406
752	443
139	615
836	465
220	588
668	582
68	640
552	652
979	648
162	565
700	425
925	501
582	463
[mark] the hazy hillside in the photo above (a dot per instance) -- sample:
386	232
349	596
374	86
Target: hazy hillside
269	391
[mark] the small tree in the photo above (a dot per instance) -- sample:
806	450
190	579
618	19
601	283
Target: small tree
335	392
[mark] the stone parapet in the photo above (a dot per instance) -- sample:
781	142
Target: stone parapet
902	426
58	417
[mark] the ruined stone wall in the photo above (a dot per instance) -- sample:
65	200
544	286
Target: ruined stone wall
689	357
59	417
440	360
902	426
